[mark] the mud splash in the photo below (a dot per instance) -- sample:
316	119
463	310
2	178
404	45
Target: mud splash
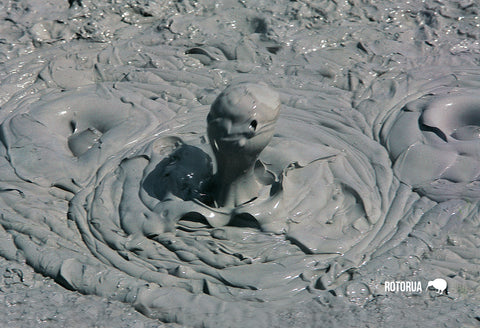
104	137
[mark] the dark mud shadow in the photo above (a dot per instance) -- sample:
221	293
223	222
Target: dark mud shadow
186	174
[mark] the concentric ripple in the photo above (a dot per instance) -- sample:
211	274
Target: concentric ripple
431	132
125	161
104	153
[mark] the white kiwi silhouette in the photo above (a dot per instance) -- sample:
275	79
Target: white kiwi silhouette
439	284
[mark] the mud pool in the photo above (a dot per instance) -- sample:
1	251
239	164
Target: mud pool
372	173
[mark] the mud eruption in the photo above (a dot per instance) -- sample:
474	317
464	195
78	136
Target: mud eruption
264	164
241	123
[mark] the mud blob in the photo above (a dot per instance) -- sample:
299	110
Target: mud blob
241	123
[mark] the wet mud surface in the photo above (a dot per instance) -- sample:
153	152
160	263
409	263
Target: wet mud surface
372	174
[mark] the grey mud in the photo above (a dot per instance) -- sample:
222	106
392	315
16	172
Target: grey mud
210	163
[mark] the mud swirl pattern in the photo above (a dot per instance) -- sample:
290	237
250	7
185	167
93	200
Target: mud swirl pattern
102	146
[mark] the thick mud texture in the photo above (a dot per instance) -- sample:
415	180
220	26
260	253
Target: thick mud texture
114	200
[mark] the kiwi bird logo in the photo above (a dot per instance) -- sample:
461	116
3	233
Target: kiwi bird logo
439	284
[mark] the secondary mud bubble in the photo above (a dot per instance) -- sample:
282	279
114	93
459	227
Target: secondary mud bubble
432	134
427	119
